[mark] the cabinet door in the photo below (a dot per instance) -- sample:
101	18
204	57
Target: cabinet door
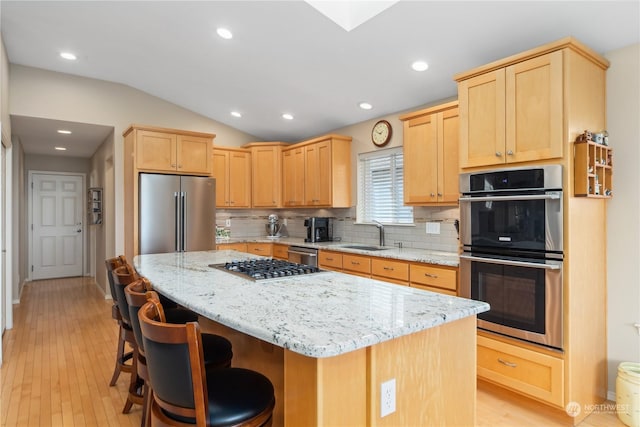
156	151
280	251
448	141
240	247
266	177
220	162
317	180
420	154
534	109
239	179
482	119
293	177
194	155
264	249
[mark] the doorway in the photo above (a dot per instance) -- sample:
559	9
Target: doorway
56	206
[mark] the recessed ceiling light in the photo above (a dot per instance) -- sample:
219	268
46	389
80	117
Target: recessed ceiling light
365	106
61	148
236	114
287	116
419	65
68	55
64	131
224	33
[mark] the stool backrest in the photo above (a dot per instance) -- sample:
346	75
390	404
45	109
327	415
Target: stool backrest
136	296
175	364
122	276
112	264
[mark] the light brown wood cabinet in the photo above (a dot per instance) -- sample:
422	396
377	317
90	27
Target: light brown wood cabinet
232	171
166	150
158	150
318	173
441	279
240	246
430	148
293	177
280	251
394	271
264	249
266	174
512	114
531	372
356	264
330	260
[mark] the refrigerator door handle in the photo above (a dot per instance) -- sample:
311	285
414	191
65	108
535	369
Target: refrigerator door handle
183	221
177	223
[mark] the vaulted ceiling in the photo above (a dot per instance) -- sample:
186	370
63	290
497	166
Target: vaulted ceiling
286	57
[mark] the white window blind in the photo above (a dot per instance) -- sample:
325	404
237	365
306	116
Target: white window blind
380	188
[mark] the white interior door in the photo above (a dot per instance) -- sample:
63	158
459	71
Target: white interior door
57	236
3	282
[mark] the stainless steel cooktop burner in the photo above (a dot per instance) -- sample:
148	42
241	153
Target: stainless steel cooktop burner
262	269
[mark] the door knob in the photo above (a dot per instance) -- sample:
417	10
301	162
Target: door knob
79	230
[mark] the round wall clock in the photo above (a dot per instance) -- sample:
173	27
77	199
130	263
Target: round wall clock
381	133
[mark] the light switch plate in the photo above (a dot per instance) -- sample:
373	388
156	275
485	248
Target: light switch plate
433	228
227	223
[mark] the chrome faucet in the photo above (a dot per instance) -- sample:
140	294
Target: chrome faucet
381	229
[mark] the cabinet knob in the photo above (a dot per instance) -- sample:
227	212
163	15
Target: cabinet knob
439	194
173	165
498	154
510	153
432	195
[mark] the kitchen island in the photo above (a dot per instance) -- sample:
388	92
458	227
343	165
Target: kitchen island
329	340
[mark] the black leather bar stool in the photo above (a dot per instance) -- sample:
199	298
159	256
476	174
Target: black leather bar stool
187	393
124	331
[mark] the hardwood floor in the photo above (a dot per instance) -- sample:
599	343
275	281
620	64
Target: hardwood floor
59	357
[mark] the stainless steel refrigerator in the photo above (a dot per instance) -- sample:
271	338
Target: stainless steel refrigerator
177	213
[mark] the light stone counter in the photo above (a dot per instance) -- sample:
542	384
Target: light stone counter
318	315
406	254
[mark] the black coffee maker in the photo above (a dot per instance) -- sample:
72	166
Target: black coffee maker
319	229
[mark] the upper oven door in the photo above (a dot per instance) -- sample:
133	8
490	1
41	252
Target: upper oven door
515	221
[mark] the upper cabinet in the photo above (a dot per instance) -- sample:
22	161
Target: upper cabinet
430	149
266	173
317	173
232	171
172	151
513	110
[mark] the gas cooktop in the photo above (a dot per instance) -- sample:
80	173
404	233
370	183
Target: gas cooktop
262	269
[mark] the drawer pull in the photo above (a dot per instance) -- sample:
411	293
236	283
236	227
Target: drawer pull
257	249
329	259
433	276
355	263
388	268
509	364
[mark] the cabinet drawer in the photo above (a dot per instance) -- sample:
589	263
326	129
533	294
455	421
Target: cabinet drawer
241	247
432	289
439	277
330	260
357	263
392	269
263	249
280	251
532	373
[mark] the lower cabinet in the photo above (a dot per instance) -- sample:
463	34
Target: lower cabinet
240	247
520	369
330	260
389	270
434	278
263	249
359	265
280	251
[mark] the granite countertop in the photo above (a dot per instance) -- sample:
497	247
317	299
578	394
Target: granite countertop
318	315
450	259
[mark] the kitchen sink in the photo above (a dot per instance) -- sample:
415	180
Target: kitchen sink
365	248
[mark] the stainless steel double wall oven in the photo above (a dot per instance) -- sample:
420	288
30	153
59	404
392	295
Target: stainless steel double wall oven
511	228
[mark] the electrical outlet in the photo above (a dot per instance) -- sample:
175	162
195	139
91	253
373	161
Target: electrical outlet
387	397
433	228
227	223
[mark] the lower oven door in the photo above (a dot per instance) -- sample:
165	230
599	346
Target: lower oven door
302	255
525	296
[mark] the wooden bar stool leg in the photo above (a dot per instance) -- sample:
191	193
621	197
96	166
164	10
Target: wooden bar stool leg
135	387
121	359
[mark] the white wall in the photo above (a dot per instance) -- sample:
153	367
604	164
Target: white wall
623	210
50	95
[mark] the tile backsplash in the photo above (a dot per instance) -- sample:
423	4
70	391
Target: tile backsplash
250	223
